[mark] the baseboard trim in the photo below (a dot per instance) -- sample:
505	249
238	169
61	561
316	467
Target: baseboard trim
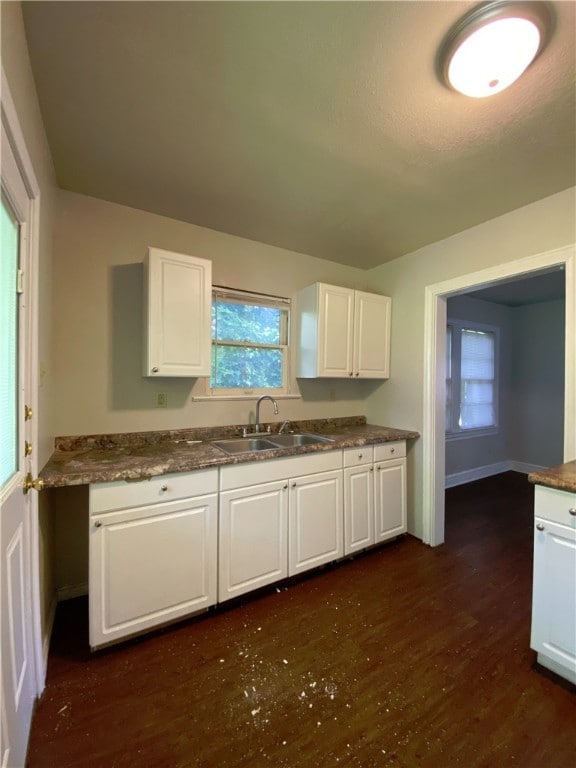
522	466
69	592
478	473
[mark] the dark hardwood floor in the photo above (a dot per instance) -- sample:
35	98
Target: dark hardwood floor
406	656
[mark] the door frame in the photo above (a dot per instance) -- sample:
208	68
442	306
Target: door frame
433	438
30	267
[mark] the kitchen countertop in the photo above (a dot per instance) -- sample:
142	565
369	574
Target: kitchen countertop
81	460
562	477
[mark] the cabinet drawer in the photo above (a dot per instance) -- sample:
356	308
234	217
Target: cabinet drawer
353	457
254	472
105	497
555	505
390	450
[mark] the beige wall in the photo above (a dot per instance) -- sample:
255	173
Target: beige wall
16	66
542	226
99	249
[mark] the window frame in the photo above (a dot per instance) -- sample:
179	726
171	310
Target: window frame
282	303
452	429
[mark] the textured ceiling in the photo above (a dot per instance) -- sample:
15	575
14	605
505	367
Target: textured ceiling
320	127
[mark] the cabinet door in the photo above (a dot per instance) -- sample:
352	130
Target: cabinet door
390	498
358	508
177	304
371	335
553	605
253	538
151	565
335	332
315	521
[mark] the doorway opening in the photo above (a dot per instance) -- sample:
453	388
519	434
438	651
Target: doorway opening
435	313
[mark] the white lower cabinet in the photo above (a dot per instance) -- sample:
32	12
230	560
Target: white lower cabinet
270	530
358	499
173	545
553	633
315	521
153	553
253	543
374	495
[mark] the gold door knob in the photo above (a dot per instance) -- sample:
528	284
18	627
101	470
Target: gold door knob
27	413
30	483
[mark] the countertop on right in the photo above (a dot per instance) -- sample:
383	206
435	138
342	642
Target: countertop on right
562	477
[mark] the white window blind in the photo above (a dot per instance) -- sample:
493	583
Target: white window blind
471	377
477	380
8	343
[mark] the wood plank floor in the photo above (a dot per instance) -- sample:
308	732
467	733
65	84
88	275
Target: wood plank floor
407	656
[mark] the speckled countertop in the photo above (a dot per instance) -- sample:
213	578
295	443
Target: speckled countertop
101	458
562	477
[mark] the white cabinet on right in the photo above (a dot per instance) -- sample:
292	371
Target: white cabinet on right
374	494
553	633
342	333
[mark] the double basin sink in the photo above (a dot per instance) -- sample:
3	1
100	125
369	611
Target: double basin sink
268	442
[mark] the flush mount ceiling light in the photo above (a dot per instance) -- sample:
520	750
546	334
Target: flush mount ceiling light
490	47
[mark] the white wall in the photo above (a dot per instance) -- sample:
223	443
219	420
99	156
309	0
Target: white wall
537	429
542	226
98	252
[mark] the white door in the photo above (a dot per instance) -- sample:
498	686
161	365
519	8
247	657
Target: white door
177	302
371	335
151	565
390	498
18	669
315	521
253	528
335	332
358	508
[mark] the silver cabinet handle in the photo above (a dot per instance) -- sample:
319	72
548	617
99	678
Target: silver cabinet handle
98	524
539	526
294	484
164	488
572	511
392	450
155	369
359	455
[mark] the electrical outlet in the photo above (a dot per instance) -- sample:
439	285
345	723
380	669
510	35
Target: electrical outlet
161	400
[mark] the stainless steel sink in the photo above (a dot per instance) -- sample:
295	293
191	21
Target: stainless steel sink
235	445
292	440
244	445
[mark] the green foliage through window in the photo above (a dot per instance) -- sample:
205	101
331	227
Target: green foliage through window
249	342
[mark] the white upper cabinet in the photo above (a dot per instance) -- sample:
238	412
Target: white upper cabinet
177	309
343	333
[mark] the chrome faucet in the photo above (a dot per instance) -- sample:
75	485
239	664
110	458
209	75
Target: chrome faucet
260	399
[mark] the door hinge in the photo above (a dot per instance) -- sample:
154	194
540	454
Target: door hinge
20	281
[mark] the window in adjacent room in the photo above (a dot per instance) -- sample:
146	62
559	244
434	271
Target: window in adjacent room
250	337
471	378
